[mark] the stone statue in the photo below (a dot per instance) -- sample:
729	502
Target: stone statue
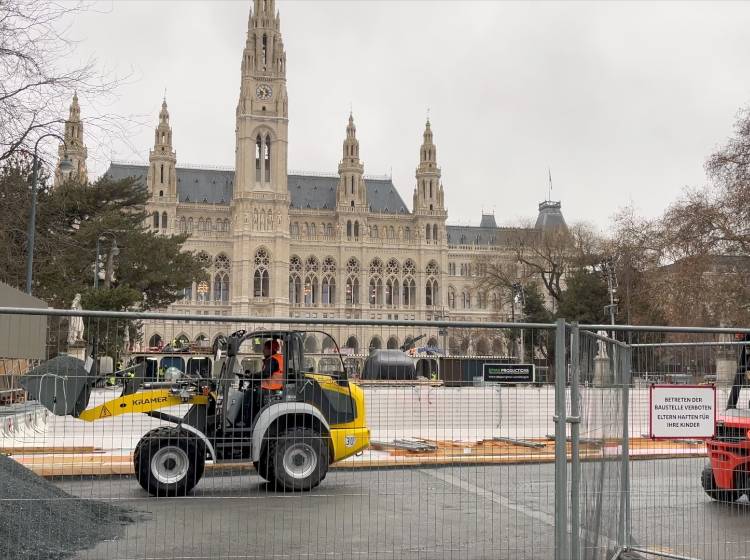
602	346
126	340
75	326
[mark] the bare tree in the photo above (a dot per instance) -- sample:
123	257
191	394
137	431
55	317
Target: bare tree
545	256
38	76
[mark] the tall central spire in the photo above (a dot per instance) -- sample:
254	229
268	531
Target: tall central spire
264	49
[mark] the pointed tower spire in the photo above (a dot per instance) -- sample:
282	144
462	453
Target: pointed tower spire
73	149
351	190
428	195
162	175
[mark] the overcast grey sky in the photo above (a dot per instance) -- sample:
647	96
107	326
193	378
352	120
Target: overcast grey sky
623	101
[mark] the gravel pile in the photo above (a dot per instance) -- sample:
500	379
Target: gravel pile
41	522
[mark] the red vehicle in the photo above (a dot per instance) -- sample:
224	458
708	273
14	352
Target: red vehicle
727	478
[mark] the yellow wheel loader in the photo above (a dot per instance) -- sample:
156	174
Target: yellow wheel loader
291	434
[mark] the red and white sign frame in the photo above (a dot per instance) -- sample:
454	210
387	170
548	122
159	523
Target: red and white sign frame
678	387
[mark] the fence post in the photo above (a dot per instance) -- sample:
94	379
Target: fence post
625	376
561	460
575	464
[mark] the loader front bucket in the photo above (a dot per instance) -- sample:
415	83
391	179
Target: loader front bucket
62	385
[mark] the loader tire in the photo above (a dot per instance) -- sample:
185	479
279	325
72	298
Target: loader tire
714	492
264	467
299	459
169	462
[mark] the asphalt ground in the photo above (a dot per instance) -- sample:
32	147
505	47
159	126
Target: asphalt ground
461	512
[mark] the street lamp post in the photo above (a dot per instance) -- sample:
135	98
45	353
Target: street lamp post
65	165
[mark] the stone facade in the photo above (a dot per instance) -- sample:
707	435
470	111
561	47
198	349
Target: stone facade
342	246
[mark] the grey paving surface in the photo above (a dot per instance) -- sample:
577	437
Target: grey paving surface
472	513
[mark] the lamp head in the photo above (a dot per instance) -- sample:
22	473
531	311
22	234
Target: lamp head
66	165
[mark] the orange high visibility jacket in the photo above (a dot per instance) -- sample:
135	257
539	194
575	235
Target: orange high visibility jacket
276	381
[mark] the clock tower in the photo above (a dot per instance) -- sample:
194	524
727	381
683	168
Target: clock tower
261	200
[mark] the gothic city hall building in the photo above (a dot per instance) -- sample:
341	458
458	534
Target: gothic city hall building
343	245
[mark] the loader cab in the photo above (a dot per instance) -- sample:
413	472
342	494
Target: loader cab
302	382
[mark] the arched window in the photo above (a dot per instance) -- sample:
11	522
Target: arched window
435	233
261	276
190	225
329	290
221	287
208	224
356	229
431	292
466	300
409	292
203	288
183	225
156	220
328	286
391	292
267	159
187	293
258	156
161	177
376	291
222	262
407	234
201	224
451	298
311	290
376	343
352	343
313	231
427	233
311	283
163	220
392	343
264	50
431	285
295	280
155	341
374	232
349	229
495	302
352	291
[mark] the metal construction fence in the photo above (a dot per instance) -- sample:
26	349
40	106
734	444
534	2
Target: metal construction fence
174	436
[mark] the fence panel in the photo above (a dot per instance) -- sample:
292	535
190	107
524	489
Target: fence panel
602	366
677	509
455	468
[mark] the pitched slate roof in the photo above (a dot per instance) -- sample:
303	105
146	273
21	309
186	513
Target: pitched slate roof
488	221
478	235
215	186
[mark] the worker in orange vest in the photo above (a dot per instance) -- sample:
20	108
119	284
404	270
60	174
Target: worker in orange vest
272	371
271	377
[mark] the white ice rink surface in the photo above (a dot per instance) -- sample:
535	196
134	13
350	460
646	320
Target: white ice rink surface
435	413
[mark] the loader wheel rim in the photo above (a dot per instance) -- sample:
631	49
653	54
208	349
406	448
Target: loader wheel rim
300	460
169	465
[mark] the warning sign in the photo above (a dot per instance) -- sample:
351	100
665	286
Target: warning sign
682	411
105	413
